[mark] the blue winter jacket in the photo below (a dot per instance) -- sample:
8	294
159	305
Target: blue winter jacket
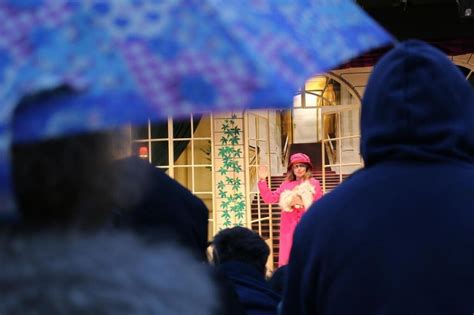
398	236
251	287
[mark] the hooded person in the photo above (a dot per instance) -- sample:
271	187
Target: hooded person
294	196
75	180
55	259
241	255
159	208
397	236
60	182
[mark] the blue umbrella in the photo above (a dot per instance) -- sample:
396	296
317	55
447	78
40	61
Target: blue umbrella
134	59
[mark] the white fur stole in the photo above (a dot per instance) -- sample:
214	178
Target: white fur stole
305	190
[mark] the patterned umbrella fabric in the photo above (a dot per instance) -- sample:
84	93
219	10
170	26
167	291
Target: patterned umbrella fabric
135	59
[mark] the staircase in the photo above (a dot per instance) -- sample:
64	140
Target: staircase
332	180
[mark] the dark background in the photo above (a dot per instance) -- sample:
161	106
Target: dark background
439	22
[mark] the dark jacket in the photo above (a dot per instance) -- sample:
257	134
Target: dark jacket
398	236
251	287
158	207
278	279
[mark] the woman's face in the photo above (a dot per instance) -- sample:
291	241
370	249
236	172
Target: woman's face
299	169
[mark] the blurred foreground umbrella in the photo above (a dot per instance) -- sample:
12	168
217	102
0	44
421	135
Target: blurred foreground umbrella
135	59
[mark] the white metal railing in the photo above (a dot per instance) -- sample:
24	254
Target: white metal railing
257	152
334	152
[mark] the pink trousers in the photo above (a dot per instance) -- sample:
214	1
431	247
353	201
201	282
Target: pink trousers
288	222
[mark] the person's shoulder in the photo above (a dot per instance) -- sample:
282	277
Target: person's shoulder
331	204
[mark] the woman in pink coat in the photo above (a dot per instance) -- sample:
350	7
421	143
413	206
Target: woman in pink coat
295	195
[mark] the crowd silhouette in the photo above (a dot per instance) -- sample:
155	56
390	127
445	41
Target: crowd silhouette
100	235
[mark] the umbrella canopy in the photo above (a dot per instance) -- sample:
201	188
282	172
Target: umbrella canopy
134	59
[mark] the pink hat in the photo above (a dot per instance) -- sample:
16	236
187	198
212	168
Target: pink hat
299	158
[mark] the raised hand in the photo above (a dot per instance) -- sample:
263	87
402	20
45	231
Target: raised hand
262	172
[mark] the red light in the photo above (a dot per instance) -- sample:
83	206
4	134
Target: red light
143	152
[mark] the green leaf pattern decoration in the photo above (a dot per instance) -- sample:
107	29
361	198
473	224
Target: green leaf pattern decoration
230	188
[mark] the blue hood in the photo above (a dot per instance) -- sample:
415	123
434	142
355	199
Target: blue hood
417	106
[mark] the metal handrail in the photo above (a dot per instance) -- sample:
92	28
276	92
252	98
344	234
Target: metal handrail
328	148
286	151
332	151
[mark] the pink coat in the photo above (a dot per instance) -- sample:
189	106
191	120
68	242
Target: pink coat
309	191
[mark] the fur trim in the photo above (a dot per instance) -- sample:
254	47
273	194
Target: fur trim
285	200
306	191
